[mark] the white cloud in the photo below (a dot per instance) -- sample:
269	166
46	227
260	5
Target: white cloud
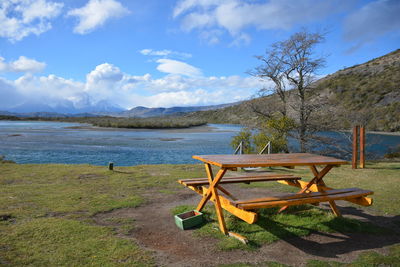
107	83
95	13
3	65
47	87
21	18
372	21
234	16
104	73
211	36
185	5
103	82
22	64
177	67
8	95
185	98
164	53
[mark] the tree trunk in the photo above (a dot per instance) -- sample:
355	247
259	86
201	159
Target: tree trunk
303	122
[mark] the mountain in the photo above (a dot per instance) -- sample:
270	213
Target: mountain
144	112
64	109
45	114
367	93
102	108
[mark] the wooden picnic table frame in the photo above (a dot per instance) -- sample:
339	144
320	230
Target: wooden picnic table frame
231	162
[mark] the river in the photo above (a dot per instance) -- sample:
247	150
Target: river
73	143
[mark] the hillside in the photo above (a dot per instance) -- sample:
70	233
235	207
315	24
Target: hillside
368	93
144	112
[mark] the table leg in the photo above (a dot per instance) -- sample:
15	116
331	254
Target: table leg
226	192
317	177
212	191
320	183
316	180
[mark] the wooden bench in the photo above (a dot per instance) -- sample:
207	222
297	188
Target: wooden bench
242	179
299	199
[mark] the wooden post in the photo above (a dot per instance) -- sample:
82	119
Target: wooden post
355	146
362	147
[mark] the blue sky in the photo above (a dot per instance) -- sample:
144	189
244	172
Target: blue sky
82	53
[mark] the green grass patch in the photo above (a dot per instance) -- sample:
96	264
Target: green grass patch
365	259
39	190
60	242
296	221
46	212
181	209
370	258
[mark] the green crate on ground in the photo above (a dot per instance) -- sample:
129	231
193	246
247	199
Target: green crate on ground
189	219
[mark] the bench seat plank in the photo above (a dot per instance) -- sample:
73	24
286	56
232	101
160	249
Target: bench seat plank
298	199
295	196
241	179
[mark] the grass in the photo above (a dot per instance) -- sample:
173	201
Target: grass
46	212
365	259
58	242
297	221
264	264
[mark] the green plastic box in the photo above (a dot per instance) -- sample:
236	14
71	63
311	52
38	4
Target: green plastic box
189	219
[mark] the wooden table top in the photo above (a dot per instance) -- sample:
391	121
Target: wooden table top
268	160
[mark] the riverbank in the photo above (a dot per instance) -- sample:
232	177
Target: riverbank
192	129
84	215
384	133
165	122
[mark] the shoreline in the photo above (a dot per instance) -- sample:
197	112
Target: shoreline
373	132
384	133
193	129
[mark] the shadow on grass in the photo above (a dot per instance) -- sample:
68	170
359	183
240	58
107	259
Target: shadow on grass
345	239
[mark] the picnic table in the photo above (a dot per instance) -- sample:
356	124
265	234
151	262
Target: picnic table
312	192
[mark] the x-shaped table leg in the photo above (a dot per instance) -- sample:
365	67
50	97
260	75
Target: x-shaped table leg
319	183
317	180
212	191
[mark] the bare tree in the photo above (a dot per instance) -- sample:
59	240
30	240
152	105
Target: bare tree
292	65
272	69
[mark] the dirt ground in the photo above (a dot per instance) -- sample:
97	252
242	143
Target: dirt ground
155	230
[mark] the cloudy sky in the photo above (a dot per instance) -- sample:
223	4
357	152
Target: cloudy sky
167	53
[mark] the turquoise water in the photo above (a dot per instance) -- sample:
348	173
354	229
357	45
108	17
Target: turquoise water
56	142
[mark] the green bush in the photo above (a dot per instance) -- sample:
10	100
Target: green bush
243	136
274	130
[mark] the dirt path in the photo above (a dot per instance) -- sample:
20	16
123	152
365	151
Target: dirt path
155	230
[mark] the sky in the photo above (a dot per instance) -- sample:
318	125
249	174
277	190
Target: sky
162	53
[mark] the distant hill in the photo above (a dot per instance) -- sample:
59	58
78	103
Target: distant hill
64	108
3	114
144	112
367	93
106	110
